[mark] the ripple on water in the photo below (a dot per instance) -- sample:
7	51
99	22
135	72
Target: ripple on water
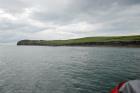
66	69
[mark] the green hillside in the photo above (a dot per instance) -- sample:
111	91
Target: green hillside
114	40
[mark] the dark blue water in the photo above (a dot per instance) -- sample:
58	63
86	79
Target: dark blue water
28	69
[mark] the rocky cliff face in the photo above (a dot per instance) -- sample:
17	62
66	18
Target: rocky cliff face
112	43
88	41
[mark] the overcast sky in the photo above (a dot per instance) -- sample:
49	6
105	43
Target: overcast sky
64	19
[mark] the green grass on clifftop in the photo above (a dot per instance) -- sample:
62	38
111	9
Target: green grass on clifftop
82	41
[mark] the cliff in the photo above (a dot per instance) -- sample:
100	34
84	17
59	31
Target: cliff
87	41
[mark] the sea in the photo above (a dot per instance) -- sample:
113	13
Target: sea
65	69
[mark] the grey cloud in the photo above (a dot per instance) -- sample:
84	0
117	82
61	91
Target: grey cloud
13	6
83	10
20	27
116	16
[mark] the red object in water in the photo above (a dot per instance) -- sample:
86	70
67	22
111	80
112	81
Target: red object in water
116	89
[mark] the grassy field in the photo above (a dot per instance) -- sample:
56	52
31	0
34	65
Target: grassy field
86	41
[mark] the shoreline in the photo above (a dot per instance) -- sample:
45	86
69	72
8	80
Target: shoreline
120	41
132	46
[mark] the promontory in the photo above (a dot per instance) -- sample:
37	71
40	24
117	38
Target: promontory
88	41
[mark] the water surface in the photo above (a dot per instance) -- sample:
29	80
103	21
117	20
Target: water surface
38	69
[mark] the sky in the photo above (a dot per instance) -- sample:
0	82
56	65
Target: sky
67	19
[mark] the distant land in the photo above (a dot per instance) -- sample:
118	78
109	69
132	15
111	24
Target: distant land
88	41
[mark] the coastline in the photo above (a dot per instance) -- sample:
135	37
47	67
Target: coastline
120	41
85	46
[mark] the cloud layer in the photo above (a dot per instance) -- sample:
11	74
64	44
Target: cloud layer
65	19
